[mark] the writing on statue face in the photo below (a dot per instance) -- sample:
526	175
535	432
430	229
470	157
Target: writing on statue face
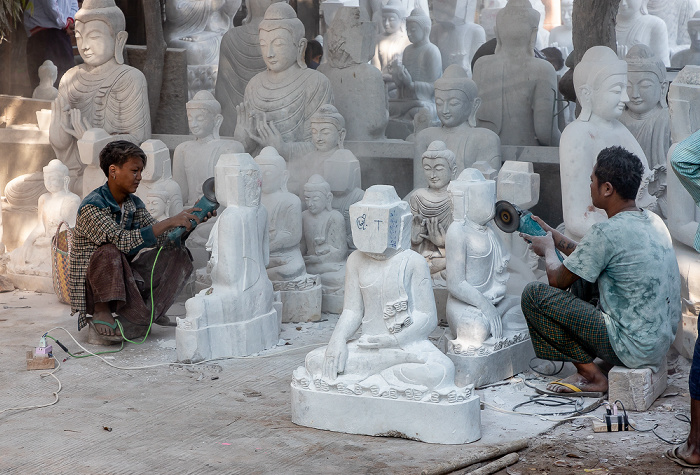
453	107
95	42
414	32
608	99
391	23
278	49
201	122
644	91
325	136
316	201
438	172
271	178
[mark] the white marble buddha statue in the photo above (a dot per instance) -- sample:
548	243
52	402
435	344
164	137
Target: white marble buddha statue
600	79
391	41
692	54
197	26
562	36
415	76
455	33
235	316
102	92
157	204
240	58
457	102
47	78
634	25
676	14
157	176
518	91
324	245
59	204
278	103
358	87
646	115
343	174
195	160
389	297
432	209
487	16
477	267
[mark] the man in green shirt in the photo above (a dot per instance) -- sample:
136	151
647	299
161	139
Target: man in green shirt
630	257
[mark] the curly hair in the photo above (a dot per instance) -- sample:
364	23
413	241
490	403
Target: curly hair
118	153
622	169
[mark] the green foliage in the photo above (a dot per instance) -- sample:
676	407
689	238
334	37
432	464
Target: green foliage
10	13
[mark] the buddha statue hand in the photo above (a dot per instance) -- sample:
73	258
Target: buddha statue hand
418	229
335	358
377	341
70	120
401	76
493	318
268	134
245	127
435	232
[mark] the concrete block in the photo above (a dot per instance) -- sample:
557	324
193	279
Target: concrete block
637	389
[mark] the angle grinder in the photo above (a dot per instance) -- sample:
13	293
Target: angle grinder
510	218
207	204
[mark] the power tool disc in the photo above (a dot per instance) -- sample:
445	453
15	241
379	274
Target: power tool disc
507	218
209	190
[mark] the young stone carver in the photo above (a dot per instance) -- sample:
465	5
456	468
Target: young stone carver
631	258
106	275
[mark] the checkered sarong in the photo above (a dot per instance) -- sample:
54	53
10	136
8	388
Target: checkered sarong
565	328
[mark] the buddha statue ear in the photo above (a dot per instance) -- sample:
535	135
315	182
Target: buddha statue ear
217	125
300	53
119	46
329	201
285	179
664	92
584	96
341	137
476	103
66	183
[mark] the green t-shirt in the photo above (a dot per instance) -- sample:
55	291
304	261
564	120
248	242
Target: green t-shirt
632	258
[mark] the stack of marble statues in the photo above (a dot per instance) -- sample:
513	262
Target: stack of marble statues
296	236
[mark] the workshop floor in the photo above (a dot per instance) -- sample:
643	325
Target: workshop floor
233	416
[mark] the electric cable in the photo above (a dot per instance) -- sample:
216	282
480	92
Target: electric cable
680	417
55	393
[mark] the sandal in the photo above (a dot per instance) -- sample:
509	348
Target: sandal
575	391
97	338
672	454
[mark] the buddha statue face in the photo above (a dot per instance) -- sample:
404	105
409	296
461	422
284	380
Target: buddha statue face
155	205
694	32
453	107
567	7
438	172
273	177
644	90
391	22
54	181
326	136
608	99
415	32
317	201
96	42
631	8
278	49
600	80
473	197
202	122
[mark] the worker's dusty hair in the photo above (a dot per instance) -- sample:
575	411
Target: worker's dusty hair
622	169
118	153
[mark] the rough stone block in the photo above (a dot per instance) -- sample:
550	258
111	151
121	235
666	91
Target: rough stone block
301	305
37	283
91	144
436	423
689	266
637	389
519	184
481	370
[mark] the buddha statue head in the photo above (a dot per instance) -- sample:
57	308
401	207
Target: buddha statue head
694	31
282	39
439	165
567	8
418	26
516	26
100	32
457	12
257	8
646	80
48	72
204	115
342	172
327	128
393	16
56	176
456	97
473	197
157	203
630	9
600	81
381	222
274	170
237	180
317	195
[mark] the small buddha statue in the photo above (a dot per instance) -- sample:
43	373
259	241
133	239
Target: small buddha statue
157	204
421	66
358	87
48	73
278	103
634	25
235	316
646	115
599	74
391	41
342	172
562	36
455	33
477	268
457	102
102	92
59	204
692	54
324	245
517	90
156	176
240	59
195	160
432	208
389	299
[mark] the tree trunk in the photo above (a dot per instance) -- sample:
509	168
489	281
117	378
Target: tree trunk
155	54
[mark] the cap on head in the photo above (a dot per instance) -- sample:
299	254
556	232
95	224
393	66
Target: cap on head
105	10
204	100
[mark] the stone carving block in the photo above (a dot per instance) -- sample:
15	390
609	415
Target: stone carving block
519	184
157	177
637	389
89	147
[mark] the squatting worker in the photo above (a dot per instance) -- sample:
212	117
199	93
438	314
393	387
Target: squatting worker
114	246
630	256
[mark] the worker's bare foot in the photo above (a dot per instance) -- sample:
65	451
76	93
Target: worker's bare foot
688	454
586	383
106	317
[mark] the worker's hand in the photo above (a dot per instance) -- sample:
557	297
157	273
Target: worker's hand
539	244
546	227
184	218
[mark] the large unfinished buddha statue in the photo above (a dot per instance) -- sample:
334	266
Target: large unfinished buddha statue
455	32
634	25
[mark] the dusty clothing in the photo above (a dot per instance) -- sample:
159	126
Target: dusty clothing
101	221
113	277
685	161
